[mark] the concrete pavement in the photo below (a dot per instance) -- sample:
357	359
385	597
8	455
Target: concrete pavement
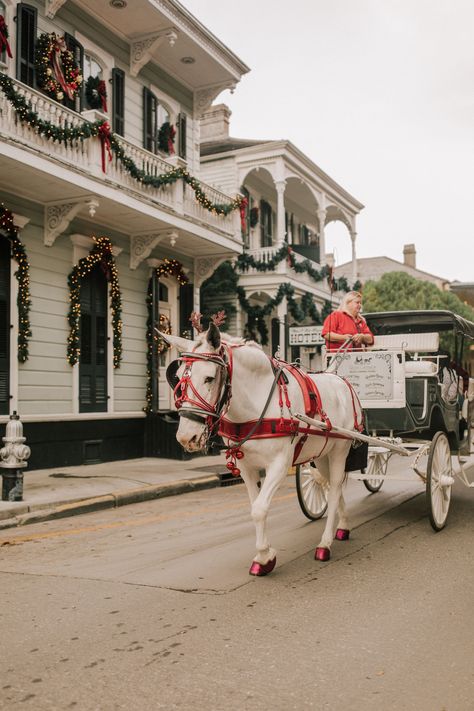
65	491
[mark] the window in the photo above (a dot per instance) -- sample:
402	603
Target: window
78	53
154	116
182	135
93	362
118	101
4	326
92	68
304	235
266	224
25	43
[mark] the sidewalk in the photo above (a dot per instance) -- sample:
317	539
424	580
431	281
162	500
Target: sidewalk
66	491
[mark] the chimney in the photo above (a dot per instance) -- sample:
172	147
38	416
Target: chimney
215	123
409	255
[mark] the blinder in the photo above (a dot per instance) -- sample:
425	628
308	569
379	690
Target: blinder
171	373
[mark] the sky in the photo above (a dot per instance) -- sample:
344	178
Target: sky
380	95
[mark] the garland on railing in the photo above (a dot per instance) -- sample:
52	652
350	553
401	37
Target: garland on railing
69	135
172	268
246	261
23	277
101	253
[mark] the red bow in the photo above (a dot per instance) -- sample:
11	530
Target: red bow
3	37
171	136
102	91
243	214
57	48
104	135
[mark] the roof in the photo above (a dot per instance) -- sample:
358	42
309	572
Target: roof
229	144
361	261
387	322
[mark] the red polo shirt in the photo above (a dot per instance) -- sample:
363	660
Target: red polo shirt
342	322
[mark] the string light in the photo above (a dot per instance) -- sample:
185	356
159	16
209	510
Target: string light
23	277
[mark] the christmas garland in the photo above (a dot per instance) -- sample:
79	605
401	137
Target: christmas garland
166	136
70	135
101	253
57	73
172	268
96	93
22	275
4	37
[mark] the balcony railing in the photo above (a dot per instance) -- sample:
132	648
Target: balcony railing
85	155
266	254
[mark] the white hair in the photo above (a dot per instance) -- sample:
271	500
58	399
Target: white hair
350	296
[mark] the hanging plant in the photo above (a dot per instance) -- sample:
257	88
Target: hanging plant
96	93
101	253
166	136
4	37
57	73
23	278
253	216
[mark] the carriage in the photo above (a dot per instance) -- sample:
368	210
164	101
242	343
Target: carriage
409	408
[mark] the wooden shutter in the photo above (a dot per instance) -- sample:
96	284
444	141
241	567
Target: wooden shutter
78	53
118	101
186	307
182	135
4	326
149	120
93	362
265	224
26	17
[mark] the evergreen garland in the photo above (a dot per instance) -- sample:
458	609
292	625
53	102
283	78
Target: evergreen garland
49	46
71	135
96	93
101	253
23	277
166	136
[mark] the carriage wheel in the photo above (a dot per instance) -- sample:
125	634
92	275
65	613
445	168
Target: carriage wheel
439	480
378	462
312	495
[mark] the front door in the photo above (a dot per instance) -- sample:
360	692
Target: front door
165	394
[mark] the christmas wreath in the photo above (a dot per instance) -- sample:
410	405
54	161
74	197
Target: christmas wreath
4	37
96	93
57	73
253	216
166	136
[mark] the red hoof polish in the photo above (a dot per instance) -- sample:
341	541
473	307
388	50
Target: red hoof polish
322	554
262	568
342	534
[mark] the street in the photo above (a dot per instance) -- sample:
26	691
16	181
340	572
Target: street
151	607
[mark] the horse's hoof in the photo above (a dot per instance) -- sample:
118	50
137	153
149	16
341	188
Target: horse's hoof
342	534
322	554
262	568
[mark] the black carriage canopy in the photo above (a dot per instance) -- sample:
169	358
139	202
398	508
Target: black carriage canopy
385	323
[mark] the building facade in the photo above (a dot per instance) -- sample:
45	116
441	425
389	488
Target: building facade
105	226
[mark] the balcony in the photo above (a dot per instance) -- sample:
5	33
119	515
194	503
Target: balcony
84	159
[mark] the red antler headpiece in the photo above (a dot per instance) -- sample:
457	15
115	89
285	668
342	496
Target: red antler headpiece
218	318
195	319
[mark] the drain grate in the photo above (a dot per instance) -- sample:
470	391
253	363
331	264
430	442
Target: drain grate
228	479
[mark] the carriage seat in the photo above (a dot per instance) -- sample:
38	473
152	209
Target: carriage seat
415	343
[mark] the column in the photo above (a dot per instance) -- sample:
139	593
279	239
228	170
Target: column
281	312
354	259
322	240
280	231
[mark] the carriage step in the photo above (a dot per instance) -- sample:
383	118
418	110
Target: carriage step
228	479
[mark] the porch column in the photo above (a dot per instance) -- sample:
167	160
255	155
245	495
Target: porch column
322	240
280	231
354	259
281	313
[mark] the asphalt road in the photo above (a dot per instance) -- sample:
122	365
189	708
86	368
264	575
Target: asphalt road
151	607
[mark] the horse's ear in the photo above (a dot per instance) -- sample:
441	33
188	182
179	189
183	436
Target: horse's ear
213	336
182	344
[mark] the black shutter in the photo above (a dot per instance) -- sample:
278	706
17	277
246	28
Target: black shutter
186	307
118	101
182	135
265	224
78	53
93	362
25	43
149	120
4	326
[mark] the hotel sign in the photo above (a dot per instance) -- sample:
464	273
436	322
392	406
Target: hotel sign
306	336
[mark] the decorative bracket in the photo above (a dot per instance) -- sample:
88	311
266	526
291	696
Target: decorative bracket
20	221
203	98
58	216
205	266
142	48
52	6
142	245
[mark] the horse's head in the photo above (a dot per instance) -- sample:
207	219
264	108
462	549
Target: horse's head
199	378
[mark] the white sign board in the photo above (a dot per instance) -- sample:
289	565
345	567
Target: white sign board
306	336
377	376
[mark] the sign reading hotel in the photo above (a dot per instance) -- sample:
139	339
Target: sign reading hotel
306	336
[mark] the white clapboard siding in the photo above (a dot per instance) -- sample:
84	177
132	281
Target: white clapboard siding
221	174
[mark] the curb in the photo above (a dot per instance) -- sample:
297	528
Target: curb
38	513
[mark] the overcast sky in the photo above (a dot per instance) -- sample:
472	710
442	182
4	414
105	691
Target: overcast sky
378	93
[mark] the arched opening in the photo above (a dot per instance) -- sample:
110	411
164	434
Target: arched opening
262	196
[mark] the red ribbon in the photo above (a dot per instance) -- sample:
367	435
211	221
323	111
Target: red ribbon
243	214
171	136
3	37
102	91
104	135
57	48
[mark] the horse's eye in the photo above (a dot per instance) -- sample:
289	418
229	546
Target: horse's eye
208	380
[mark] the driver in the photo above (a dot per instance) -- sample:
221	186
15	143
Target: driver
346	322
